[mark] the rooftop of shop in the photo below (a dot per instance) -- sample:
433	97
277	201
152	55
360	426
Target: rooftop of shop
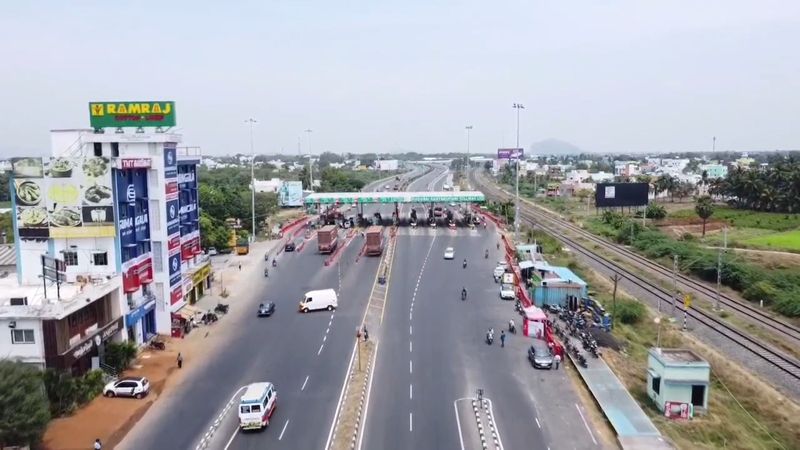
55	305
677	356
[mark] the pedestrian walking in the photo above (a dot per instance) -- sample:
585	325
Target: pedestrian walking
502	338
557	359
240	267
366	334
97	444
180	361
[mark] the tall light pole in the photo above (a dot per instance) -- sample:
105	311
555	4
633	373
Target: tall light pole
466	169
517	106
252	122
310	160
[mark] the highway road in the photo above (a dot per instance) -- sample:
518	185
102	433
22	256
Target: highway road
433	353
304	355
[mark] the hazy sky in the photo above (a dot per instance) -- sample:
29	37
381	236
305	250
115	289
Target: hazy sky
409	75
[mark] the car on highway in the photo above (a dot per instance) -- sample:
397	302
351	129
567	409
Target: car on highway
539	355
319	299
289	247
507	292
136	387
449	253
256	405
266	309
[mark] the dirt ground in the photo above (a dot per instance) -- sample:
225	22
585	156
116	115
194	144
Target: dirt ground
102	417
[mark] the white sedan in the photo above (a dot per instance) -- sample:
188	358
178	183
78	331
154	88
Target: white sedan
507	292
449	253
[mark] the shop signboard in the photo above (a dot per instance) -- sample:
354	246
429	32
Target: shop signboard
132	163
88	344
186	177
136	315
132	114
174	264
174	244
170	161
291	193
65	198
176	295
54	269
678	410
187	250
201	274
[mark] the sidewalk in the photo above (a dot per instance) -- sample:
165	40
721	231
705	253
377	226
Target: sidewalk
110	419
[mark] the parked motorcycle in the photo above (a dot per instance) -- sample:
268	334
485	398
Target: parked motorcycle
512	329
157	345
582	361
209	318
489	338
221	308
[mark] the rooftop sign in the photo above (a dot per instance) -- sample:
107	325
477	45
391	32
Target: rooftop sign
132	114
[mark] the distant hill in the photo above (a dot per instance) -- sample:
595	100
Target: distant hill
554	147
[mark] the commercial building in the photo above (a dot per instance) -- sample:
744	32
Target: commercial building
111	220
678	381
387	164
714	171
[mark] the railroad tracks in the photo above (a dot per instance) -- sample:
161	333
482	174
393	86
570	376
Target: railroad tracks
743	339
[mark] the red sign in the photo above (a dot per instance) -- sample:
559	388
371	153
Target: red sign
196	247
187	252
172	189
176	295
146	271
133	163
137	274
677	410
174	243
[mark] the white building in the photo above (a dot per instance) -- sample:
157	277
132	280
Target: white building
387	164
271	185
626	169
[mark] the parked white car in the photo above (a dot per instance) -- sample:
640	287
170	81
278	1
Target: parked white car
507	292
498	273
449	253
136	387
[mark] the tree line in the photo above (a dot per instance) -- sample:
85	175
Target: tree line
773	188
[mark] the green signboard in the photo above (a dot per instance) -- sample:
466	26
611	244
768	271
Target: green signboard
327	199
131	114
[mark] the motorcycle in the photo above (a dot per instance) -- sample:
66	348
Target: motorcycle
463	295
221	308
486	255
465	264
512	329
582	361
157	345
209	318
274	263
266	273
489	338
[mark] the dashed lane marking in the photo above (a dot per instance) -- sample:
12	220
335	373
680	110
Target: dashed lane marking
320	349
283	430
302	388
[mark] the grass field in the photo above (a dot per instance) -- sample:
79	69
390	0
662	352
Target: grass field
746	219
789	240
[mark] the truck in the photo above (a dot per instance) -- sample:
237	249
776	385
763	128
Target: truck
374	245
242	247
327	237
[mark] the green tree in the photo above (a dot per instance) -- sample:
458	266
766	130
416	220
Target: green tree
655	211
7	226
704	209
24	409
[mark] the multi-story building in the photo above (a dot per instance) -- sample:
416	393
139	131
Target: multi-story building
714	171
107	244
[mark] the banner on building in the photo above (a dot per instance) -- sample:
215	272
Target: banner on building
291	193
510	153
131	114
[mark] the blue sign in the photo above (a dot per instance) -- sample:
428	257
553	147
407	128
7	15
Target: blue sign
170	161
174	264
137	314
132	210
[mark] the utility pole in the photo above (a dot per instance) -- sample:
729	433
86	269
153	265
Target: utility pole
252	122
615	279
517	106
674	285
719	266
714	144
310	160
466	168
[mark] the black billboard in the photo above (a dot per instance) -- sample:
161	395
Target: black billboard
621	194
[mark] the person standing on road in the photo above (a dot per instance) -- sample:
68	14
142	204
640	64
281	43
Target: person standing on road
557	360
97	444
502	338
240	267
180	361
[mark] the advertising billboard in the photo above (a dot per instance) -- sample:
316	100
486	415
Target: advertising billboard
63	198
510	153
131	114
621	194
133	217
291	193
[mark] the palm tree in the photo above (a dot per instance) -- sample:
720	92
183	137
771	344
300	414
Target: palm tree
704	209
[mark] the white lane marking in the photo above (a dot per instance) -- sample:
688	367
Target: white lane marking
586	424
410	366
304	383
496	425
320	349
328	330
324	338
410	421
411	391
537	422
283	430
341	397
233	436
410	330
410	347
366	400
222	414
458	422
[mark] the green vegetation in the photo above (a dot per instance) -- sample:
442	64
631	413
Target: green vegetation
778	288
628	311
119	355
23	405
789	240
775	187
704	209
7	225
747	219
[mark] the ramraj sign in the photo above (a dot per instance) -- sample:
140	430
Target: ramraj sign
132	114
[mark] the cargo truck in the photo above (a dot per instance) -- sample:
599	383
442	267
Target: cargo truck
327	237
374	245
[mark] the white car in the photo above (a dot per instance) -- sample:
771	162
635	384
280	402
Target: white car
449	253
212	251
507	292
498	272
136	387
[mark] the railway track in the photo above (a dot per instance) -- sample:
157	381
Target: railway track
765	351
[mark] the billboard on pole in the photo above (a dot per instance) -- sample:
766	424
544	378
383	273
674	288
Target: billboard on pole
132	114
621	194
291	193
510	153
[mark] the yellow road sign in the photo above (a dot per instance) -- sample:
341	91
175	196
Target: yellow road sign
687	301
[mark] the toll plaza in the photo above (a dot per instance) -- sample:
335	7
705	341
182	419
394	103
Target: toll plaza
442	206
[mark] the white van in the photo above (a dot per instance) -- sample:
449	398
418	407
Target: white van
321	299
257	405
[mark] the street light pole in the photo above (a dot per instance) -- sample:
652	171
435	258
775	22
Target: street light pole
252	121
310	160
517	106
466	168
